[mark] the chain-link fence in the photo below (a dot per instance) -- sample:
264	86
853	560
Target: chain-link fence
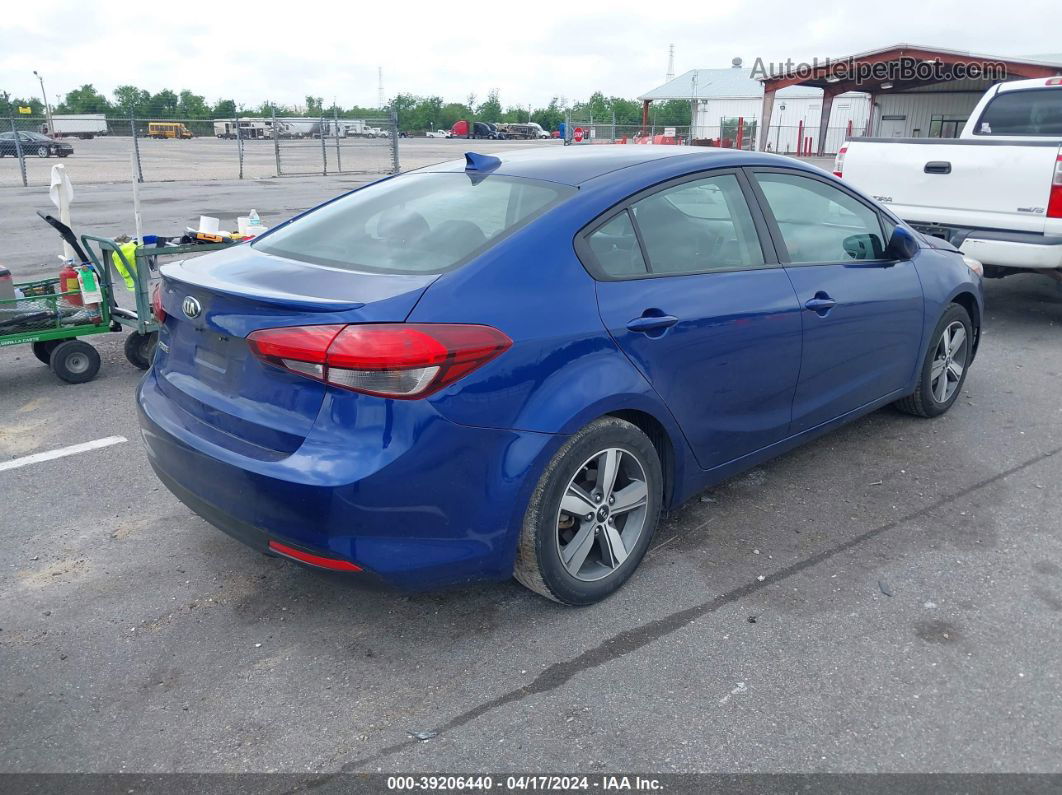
737	132
95	149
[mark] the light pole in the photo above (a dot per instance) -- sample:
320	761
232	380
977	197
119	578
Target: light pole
47	107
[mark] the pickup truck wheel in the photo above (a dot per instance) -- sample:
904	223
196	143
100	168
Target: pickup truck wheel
592	515
945	365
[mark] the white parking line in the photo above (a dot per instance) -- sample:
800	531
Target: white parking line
73	449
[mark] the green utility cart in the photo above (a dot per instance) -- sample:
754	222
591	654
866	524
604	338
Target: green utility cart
53	321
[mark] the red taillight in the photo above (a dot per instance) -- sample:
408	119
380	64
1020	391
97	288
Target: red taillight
156	303
1054	81
395	360
838	163
1054	203
314	560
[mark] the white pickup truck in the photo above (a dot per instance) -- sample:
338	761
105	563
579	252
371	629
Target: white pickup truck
995	192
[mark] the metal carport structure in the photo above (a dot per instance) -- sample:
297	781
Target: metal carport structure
897	68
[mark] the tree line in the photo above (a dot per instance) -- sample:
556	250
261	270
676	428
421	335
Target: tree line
415	113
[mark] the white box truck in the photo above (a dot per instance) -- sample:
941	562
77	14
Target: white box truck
82	125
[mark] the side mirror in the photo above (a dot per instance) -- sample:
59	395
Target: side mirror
863	247
902	245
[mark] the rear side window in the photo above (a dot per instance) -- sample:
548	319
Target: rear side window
419	223
1027	112
615	247
698	227
820	223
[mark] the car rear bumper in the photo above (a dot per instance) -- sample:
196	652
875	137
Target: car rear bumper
418	501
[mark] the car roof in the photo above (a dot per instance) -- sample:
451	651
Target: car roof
574	165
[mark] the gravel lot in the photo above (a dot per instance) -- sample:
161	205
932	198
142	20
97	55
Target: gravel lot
888	598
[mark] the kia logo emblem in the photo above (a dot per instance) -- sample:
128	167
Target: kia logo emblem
191	307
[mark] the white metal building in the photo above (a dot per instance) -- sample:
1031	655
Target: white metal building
720	96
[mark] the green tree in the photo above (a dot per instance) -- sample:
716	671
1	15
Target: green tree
162	105
450	113
224	109
9	105
192	106
491	109
314	106
130	100
84	100
550	116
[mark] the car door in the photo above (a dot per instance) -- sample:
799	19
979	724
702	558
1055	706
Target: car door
690	289
862	311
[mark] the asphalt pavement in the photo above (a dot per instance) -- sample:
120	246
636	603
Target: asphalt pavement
888	598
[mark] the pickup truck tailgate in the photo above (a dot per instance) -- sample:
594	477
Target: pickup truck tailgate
991	185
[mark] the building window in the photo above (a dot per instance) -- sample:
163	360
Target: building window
946	126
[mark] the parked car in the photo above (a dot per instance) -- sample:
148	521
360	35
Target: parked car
33	144
437	134
512	365
995	192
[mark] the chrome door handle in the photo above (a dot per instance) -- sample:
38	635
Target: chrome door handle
647	323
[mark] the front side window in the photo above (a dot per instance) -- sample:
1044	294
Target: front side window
1029	112
419	223
698	227
820	223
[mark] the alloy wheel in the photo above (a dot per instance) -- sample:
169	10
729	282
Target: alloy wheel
602	514
949	362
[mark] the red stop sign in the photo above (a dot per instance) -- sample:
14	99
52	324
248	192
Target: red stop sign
578	134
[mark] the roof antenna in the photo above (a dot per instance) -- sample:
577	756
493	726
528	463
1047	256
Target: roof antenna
477	162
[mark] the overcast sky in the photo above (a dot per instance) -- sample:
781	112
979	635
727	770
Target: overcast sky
530	51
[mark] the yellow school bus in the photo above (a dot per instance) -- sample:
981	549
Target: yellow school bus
168	129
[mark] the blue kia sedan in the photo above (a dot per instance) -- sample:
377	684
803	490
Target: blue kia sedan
513	365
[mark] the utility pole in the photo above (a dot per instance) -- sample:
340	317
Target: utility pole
47	107
379	90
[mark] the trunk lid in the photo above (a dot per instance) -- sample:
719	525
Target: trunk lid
213	302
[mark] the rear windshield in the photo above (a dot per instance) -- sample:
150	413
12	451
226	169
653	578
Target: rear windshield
1026	112
418	223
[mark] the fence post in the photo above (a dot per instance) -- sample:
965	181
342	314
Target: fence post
136	149
613	126
21	155
276	139
335	121
395	166
324	150
239	146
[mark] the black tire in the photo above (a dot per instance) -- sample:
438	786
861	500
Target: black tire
539	565
140	348
43	350
44	151
925	401
75	361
